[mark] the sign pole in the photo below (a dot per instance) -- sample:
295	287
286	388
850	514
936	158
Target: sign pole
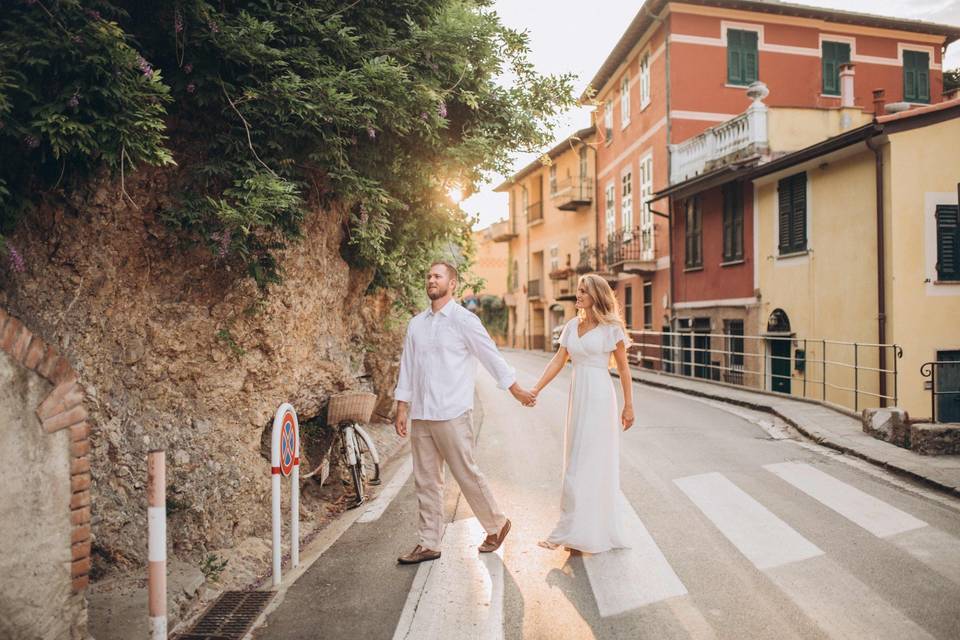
157	543
285	461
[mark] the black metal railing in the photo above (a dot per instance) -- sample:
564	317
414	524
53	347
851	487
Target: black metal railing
587	260
533	289
623	246
944	389
830	371
572	192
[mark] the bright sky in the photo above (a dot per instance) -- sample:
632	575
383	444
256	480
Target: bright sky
566	38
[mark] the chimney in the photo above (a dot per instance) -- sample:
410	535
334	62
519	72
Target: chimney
846	85
878	102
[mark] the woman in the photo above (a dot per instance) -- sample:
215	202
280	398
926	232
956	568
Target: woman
591	519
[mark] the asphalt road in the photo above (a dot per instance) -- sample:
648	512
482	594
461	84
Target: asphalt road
739	529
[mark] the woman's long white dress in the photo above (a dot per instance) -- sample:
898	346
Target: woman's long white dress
592	520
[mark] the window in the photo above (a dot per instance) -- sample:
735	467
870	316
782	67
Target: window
644	80
832	55
646	216
553	179
916	76
732	222
793	214
554	258
948	242
734	331
609	218
515	275
628	306
741	57
693	256
626	203
648	305
624	101
608	121
583	164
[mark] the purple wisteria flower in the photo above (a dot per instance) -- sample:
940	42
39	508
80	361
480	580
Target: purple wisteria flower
423	115
223	237
93	14
372	133
188	68
17	263
442	109
145	67
214	27
31	141
191	88
177	21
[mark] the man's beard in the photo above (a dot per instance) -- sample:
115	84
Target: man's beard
437	293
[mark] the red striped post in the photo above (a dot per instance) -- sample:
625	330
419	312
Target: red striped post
157	543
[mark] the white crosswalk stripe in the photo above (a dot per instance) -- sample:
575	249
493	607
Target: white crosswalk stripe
937	549
614	575
838	602
766	540
876	516
458	596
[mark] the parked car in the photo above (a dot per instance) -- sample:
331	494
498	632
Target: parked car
555	337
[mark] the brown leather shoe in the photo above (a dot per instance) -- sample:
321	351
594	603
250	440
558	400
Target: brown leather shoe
493	541
418	555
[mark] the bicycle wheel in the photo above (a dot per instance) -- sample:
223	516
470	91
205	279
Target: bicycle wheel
354	462
368	450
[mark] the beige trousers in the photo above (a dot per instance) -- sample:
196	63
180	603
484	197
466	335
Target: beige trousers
435	442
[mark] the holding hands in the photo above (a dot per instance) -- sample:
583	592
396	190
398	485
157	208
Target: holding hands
526	398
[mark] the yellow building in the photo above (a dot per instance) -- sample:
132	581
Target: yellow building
490	263
552	236
843	271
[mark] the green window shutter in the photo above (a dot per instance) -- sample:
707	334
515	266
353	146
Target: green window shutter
748	41
783	215
833	55
734	59
798	223
948	242
916	76
737	223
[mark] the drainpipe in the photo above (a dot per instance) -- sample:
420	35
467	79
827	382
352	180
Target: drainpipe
881	268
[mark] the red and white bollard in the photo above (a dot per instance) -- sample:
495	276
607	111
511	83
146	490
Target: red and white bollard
285	460
157	543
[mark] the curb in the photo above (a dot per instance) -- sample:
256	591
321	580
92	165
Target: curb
812	434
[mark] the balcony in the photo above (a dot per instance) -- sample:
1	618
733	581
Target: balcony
630	251
535	212
572	194
502	231
566	288
741	138
533	290
586	262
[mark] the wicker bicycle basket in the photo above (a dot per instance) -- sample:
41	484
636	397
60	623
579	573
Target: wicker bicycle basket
354	406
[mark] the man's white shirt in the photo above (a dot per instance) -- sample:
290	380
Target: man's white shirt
437	367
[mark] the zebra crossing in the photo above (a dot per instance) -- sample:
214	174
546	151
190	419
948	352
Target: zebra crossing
462	594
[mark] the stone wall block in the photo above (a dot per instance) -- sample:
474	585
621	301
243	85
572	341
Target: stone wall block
79	431
21	345
80	482
80	567
62	371
80	449
80	550
46	366
79	465
64	397
63	420
11	331
79	500
35	354
80	516
80	583
80	534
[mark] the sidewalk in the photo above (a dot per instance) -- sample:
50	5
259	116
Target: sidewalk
824	425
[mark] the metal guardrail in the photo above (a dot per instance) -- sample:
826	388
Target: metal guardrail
759	362
937	391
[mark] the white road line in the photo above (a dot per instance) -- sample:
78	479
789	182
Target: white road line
626	579
383	500
935	548
840	604
766	540
876	516
458	596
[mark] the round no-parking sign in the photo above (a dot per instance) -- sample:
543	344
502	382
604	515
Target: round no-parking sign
288	443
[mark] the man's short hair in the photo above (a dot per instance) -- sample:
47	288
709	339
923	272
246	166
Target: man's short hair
452	272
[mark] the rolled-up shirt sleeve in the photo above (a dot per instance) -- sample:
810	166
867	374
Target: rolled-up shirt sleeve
483	347
404	390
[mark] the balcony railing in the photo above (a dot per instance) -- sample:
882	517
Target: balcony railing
572	193
535	212
944	389
627	250
503	231
587	262
833	372
739	138
533	289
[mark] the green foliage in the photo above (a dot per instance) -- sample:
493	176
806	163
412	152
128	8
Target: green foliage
213	565
273	109
951	79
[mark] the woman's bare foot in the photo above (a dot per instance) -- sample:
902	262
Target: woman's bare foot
548	545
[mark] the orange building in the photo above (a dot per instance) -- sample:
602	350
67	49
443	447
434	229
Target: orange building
490	263
683	67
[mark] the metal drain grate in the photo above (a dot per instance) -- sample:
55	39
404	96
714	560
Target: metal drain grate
230	617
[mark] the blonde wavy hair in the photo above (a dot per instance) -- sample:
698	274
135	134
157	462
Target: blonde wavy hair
605	309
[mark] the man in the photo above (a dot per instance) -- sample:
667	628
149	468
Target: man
435	390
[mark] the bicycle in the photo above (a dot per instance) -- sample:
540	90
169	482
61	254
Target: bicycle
347	411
